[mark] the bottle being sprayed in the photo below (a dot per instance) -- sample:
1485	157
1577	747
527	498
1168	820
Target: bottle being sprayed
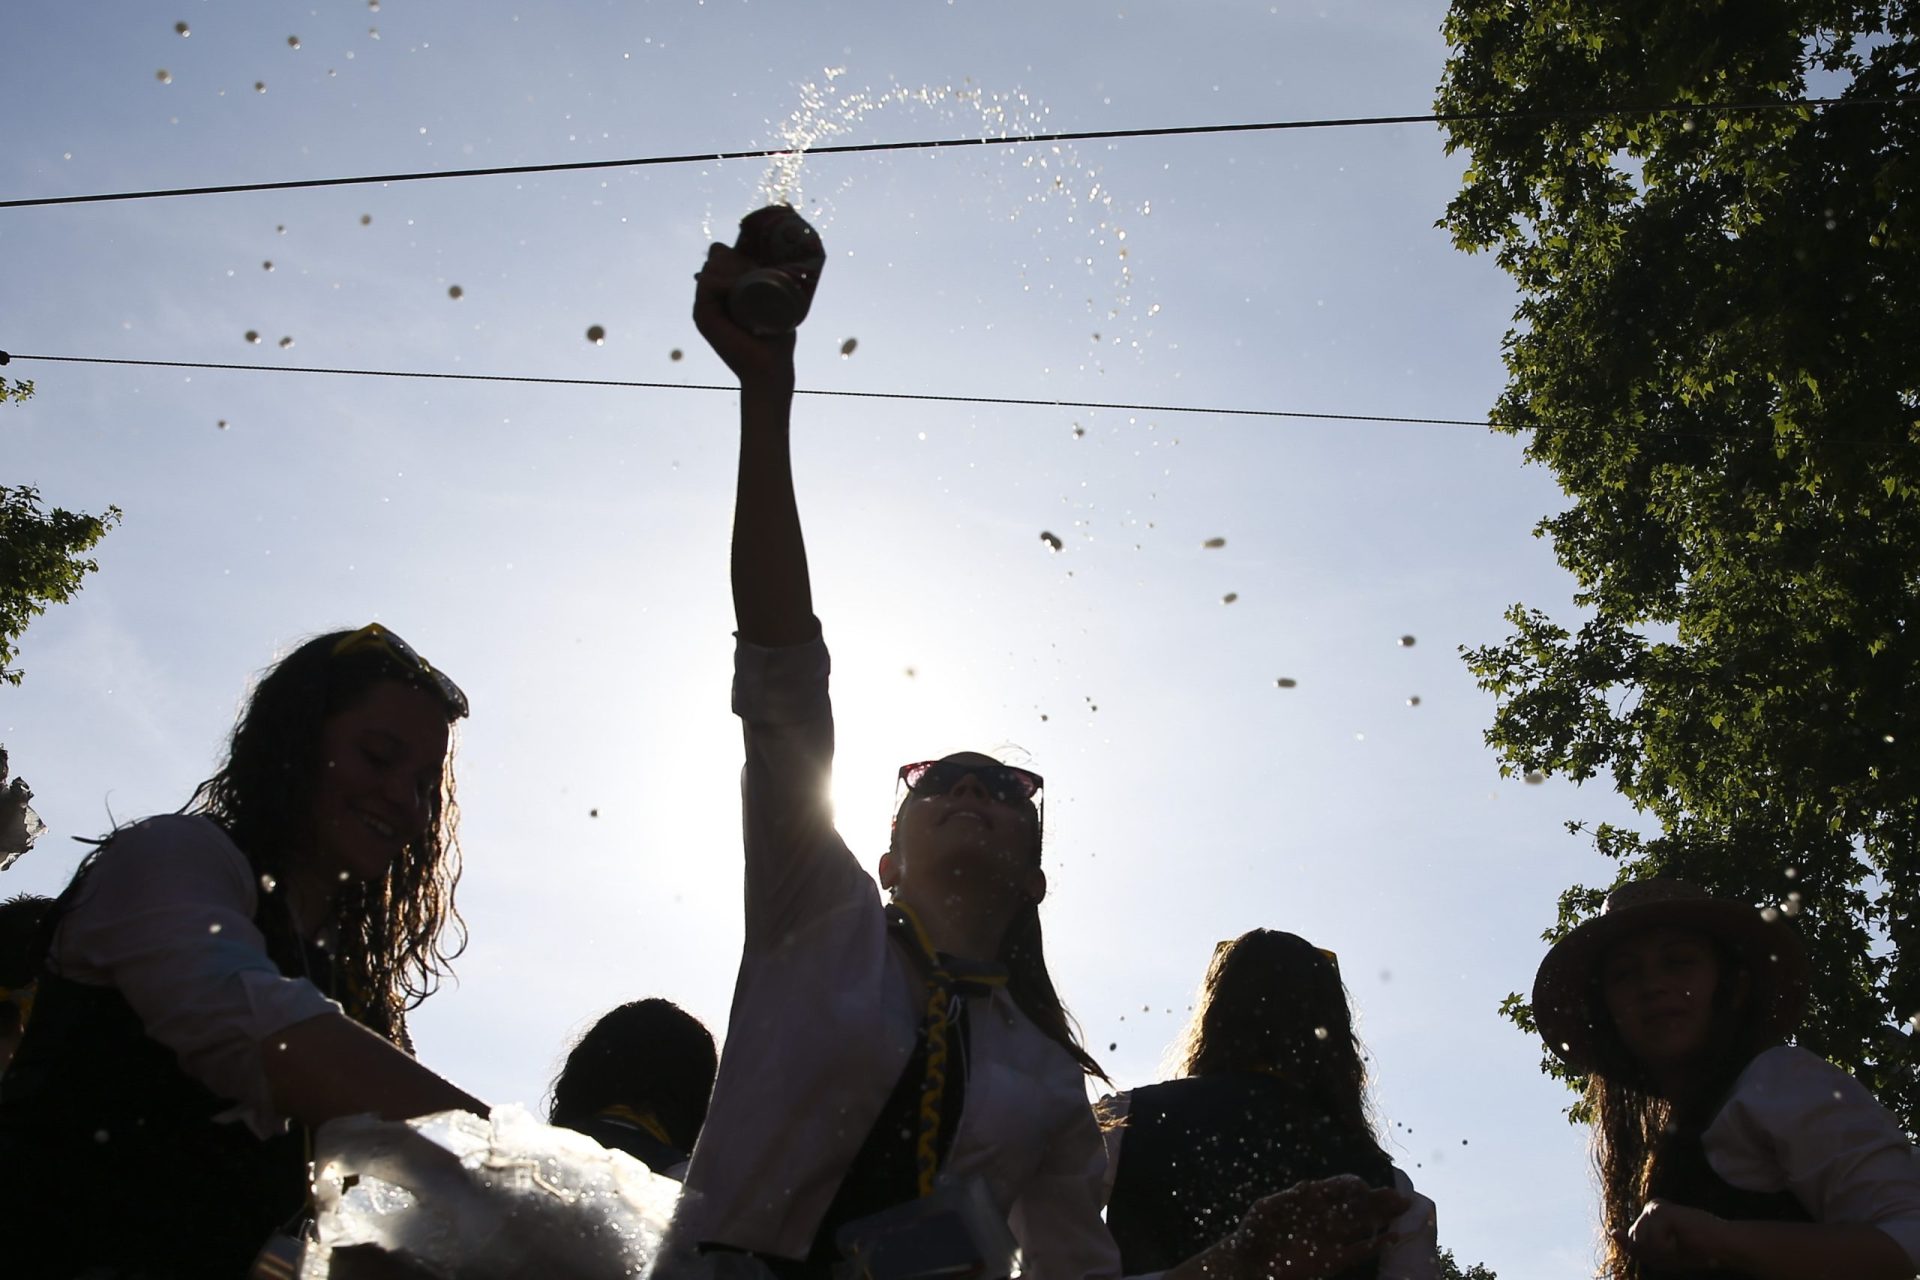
773	297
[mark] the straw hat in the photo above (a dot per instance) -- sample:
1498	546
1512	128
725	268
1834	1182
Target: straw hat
1565	1005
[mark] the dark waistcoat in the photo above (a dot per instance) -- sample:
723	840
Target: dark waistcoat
1197	1152
110	1159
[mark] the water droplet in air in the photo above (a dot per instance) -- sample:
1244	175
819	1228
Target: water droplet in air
259	86
1052	540
1214	544
1793	873
268	884
343	880
676	355
1319	1033
1286	682
285	343
253	336
847	347
181	28
596	334
593	813
1535	777
267	265
1407	642
1230	597
163	76
1078	431
280	230
1770	914
1791	907
214	927
366	219
222	424
293	42
373	5
1414	701
455	292
1114	1046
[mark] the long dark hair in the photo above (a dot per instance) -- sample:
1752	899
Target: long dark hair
1639	1134
651	1055
1023	951
390	951
1273	1002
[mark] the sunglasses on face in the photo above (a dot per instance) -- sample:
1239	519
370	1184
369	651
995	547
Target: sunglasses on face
375	637
1006	783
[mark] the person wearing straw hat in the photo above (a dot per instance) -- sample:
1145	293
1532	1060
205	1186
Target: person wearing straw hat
1720	1148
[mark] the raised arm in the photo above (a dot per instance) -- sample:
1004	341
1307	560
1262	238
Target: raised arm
772	595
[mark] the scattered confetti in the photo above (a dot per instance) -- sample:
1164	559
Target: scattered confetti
285	343
1214	544
268	884
1052	540
267	265
293	42
181	28
1770	914
1407	642
847	347
1319	1033
1078	431
163	76
596	335
259	86
1414	701
455	292
1286	682
253	336
280	230
222	424
1230	597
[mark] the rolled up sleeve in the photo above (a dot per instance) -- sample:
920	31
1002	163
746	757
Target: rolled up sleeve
166	918
1798	1123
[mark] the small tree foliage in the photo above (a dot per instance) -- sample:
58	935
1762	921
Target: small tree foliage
42	553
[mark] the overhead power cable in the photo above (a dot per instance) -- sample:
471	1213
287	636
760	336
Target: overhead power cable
804	391
932	144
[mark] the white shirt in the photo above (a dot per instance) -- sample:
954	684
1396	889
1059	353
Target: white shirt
1795	1122
166	918
825	1016
1415	1252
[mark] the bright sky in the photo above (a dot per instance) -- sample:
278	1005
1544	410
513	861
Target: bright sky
562	551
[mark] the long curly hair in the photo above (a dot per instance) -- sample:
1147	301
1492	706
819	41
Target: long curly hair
391	946
1273	1002
1639	1135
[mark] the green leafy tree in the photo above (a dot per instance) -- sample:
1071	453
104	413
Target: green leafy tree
1450	1269
1714	352
41	553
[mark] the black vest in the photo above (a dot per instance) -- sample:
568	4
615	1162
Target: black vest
1686	1178
1196	1153
110	1160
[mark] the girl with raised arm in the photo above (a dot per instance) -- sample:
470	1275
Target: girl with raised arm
1721	1150
214	984
900	1086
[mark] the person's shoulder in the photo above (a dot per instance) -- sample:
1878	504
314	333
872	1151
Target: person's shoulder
1788	1067
170	846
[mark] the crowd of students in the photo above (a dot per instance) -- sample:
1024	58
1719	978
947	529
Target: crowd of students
901	1091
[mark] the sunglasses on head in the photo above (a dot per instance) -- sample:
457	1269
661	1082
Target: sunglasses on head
1004	782
377	638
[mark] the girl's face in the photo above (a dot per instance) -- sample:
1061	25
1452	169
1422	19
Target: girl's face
1659	988
965	829
382	760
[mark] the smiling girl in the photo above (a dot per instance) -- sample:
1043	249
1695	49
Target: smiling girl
215	983
1720	1149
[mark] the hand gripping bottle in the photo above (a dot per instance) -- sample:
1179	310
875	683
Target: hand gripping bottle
773	297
